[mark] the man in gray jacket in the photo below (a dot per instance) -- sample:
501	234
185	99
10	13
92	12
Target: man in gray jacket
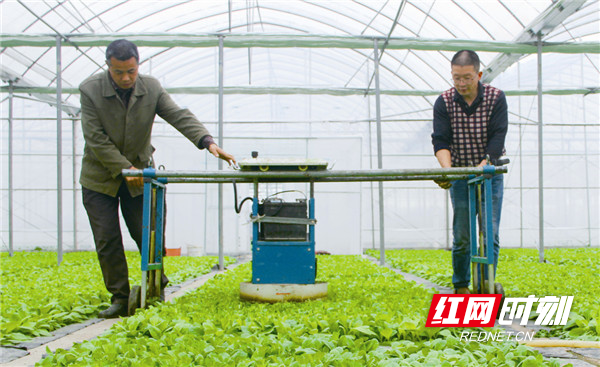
118	108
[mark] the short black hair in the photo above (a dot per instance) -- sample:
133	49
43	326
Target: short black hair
466	57
122	50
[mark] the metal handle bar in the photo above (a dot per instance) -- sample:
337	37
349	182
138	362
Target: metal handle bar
441	174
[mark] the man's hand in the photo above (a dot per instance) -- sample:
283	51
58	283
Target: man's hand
443	184
445	158
220	153
134	181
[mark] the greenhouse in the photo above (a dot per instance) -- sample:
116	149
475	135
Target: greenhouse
329	231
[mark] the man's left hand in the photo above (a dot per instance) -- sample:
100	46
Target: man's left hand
443	184
215	150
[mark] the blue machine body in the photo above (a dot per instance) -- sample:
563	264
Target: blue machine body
283	262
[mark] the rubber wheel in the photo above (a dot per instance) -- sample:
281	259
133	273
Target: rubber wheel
498	289
135	299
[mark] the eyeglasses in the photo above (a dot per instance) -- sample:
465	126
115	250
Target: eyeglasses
466	79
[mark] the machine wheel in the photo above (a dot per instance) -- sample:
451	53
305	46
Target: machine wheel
135	299
498	289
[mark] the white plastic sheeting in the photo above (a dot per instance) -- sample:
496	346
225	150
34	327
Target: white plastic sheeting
311	98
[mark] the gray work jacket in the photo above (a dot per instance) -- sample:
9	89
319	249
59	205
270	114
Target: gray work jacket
117	137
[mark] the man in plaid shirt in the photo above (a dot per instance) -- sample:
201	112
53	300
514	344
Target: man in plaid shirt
469	122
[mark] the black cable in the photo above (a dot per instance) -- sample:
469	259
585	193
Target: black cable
267	199
235	204
285	191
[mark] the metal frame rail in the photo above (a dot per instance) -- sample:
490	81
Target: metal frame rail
482	246
155	180
152	237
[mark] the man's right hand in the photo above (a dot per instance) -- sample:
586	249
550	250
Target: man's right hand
215	150
134	181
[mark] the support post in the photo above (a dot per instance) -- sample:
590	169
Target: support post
205	206
10	167
59	149
540	150
587	174
220	163
520	161
521	185
371	161
447	211
74	154
379	153
587	184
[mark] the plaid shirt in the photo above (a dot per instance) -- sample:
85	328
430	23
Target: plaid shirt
470	132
